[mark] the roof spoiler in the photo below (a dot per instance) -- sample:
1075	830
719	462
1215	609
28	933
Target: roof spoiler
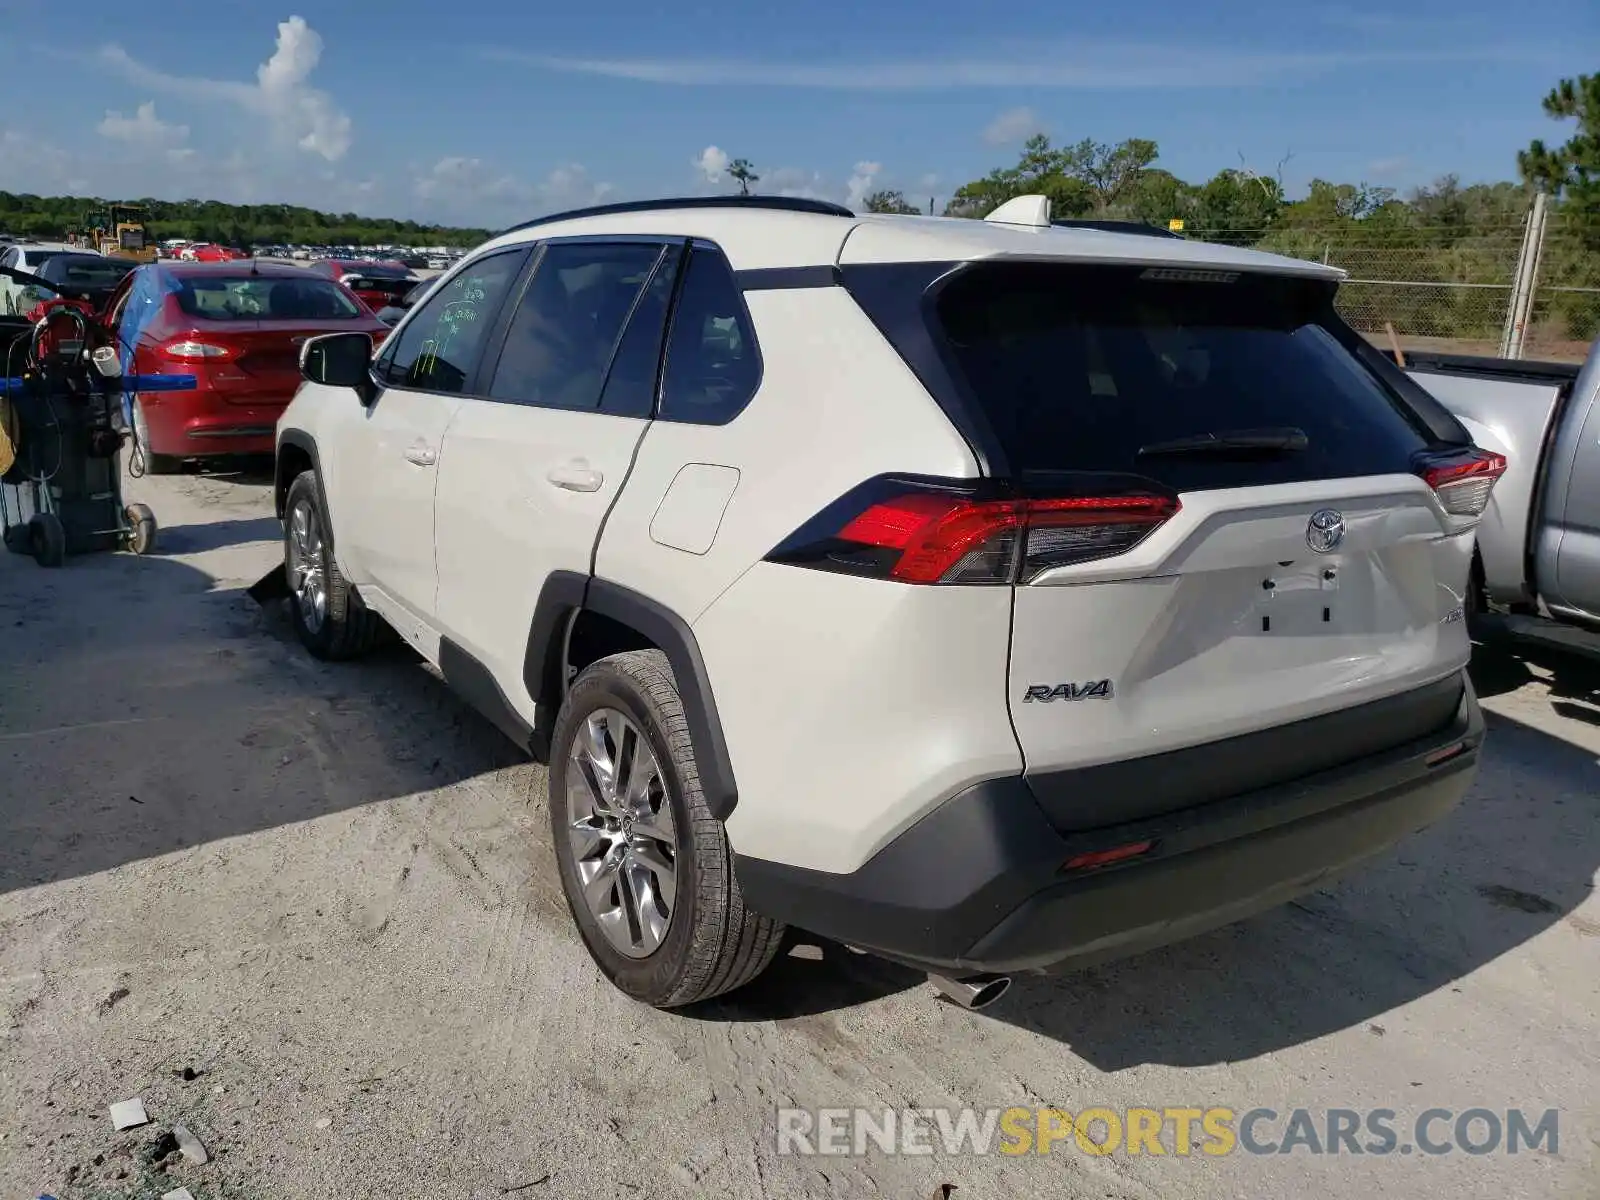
1031	211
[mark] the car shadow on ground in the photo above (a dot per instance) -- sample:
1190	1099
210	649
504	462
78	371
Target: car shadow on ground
1503	664
246	469
1518	856
213	535
146	710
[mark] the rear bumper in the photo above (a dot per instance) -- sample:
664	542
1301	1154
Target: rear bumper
978	885
201	423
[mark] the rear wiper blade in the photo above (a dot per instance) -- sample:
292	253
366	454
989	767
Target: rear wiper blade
1287	440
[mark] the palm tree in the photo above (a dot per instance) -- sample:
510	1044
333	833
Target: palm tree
742	170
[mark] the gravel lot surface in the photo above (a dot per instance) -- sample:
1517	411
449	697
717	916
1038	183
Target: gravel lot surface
327	892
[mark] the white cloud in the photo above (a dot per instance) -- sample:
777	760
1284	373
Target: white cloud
796	181
1082	64
861	183
1387	168
144	128
1013	125
712	163
471	190
281	95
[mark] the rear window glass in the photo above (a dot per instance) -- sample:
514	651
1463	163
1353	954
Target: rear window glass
262	298
89	271
1083	368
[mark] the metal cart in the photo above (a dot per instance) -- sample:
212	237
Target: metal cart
62	494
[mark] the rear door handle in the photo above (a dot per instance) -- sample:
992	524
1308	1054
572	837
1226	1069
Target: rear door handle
421	454
576	476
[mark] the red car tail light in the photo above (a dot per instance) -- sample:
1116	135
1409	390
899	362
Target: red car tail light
1463	482
940	532
190	351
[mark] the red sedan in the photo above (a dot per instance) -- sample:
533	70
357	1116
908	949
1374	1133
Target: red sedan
238	328
376	284
208	252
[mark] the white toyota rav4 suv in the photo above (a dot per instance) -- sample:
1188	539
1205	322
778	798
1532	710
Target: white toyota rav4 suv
990	595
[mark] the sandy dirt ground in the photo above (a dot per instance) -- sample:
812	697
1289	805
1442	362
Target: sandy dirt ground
326	892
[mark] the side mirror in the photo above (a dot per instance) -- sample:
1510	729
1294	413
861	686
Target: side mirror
341	360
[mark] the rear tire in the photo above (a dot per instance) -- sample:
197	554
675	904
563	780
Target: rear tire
665	937
327	614
154	464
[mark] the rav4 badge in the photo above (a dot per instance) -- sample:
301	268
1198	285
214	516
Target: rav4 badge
1045	693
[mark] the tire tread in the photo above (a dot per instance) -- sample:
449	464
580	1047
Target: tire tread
731	945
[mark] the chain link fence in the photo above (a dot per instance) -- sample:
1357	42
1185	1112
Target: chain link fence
1438	289
1565	315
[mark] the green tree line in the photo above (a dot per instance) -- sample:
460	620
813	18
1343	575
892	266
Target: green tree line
1453	247
26	215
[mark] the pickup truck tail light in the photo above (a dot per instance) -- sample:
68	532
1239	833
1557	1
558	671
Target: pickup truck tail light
1463	482
927	532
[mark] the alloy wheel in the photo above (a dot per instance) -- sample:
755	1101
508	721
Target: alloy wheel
621	832
307	579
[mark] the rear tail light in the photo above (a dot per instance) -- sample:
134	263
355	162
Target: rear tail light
934	534
191	351
1463	482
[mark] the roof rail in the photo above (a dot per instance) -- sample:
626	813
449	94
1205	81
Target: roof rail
824	208
1138	227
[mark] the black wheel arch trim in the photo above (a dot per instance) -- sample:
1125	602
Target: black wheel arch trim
564	595
300	440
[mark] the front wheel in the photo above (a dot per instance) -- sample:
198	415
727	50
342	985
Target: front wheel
647	870
328	616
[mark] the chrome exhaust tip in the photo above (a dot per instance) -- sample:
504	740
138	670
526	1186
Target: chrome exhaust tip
971	992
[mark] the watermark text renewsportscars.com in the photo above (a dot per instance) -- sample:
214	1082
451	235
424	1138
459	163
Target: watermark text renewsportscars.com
1174	1132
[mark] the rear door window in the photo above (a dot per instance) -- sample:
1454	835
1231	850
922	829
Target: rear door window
561	341
635	374
1112	369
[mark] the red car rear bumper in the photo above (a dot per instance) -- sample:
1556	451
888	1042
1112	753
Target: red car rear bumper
201	424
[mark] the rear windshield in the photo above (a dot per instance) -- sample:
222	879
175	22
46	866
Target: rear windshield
86	270
1104	369
263	298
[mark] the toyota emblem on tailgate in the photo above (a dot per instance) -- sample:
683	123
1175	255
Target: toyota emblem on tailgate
1325	530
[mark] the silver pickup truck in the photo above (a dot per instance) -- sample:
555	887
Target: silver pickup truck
1538	556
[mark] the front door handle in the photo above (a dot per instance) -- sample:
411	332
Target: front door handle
421	454
576	476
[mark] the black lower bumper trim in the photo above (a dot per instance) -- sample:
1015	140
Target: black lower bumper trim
978	883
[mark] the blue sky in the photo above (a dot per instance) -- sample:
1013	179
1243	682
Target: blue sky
481	112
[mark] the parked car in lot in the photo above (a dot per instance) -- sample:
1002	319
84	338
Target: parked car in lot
1538	554
376	284
89	279
398	306
991	596
238	329
25	256
208	252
